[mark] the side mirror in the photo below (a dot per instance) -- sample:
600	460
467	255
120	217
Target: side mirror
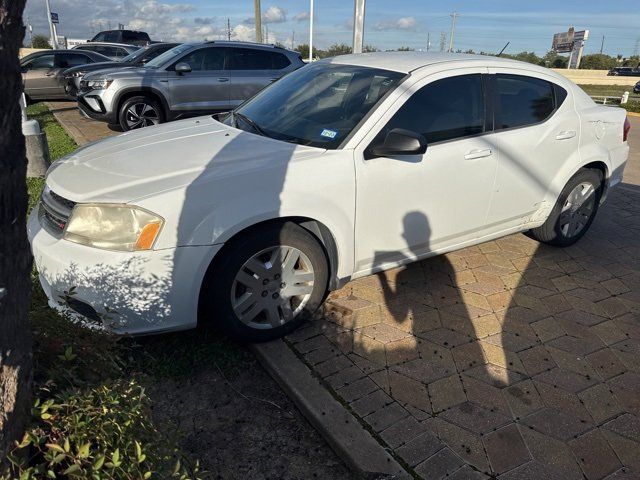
399	142
182	68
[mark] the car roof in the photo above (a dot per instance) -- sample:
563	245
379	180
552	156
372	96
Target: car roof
108	44
406	62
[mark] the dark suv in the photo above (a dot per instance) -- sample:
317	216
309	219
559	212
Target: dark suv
131	37
190	79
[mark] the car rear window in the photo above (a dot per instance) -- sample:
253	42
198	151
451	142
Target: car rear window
522	101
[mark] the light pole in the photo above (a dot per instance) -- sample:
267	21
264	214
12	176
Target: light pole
54	40
258	20
311	31
453	30
358	25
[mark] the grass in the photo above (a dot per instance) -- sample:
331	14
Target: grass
633	105
60	143
77	370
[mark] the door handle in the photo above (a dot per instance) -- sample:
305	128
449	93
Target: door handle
273	79
566	134
474	154
223	79
49	74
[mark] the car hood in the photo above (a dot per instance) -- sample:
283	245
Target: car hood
92	67
144	162
121	72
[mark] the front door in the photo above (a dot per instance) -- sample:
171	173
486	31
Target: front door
40	77
411	205
205	87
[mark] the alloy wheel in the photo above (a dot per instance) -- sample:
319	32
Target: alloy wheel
272	287
577	210
141	115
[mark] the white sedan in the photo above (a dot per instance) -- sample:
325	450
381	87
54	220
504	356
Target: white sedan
346	167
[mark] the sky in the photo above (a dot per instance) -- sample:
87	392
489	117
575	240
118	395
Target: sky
481	25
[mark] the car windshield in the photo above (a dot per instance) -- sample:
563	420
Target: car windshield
317	105
166	56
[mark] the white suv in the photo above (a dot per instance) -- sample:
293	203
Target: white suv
343	168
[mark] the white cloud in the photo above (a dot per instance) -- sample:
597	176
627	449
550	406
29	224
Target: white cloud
247	33
404	23
163	21
274	14
301	17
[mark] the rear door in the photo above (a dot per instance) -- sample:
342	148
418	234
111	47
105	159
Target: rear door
252	69
63	61
205	87
39	76
537	131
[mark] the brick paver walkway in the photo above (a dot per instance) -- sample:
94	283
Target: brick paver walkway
509	359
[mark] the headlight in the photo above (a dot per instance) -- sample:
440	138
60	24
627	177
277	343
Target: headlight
113	227
78	74
99	84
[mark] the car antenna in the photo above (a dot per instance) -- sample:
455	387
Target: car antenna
504	48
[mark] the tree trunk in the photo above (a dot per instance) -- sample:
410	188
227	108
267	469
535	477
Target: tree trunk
15	256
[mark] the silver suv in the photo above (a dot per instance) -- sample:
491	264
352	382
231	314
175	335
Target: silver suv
189	79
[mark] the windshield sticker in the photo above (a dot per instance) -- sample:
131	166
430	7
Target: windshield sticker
328	133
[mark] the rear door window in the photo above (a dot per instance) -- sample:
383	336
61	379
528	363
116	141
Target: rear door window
135	37
521	100
446	109
41	63
68	60
257	59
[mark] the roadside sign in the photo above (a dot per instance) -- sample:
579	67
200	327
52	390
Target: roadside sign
54	18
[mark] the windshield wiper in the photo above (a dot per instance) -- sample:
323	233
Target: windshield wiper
250	122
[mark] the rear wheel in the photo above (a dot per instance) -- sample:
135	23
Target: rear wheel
266	283
574	211
140	111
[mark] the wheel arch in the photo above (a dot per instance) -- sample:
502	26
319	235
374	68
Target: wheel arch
147	91
318	229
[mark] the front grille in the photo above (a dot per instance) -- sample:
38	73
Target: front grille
54	212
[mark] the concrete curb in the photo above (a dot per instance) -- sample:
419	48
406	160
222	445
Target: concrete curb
74	132
351	442
633	114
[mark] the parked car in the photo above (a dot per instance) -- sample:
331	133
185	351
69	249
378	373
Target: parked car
246	223
42	71
624	71
136	59
187	80
131	37
636	88
114	51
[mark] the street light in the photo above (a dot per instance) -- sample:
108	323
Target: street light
52	31
311	31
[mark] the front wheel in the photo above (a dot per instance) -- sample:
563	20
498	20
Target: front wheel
574	211
266	283
140	111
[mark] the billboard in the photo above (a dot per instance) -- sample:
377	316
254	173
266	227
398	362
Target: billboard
571	42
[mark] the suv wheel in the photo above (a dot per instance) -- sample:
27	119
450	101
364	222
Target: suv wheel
266	283
140	111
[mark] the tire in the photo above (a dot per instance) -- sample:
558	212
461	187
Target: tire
229	295
140	111
569	220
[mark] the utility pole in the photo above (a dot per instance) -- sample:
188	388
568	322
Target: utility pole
358	25
443	40
602	45
266	37
454	15
258	20
293	38
54	40
428	41
228	29
311	31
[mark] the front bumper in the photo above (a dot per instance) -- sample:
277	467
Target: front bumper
91	105
129	292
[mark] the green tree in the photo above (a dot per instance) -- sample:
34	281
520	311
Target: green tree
41	41
405	49
303	49
598	61
553	60
336	49
369	49
15	257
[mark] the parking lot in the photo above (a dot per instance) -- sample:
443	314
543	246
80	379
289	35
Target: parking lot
509	359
